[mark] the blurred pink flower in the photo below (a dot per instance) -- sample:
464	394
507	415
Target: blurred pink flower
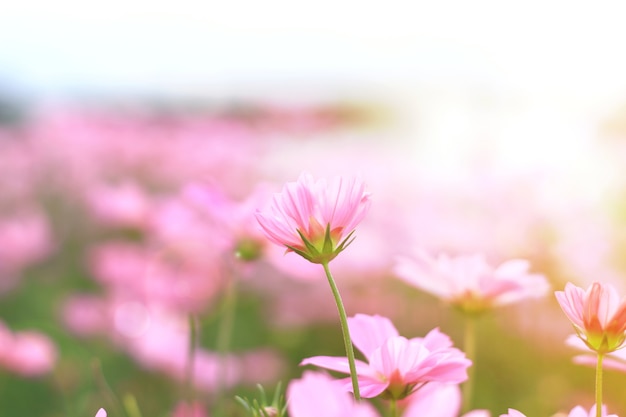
316	394
80	149
26	353
101	413
315	219
85	315
438	400
20	167
233	219
577	411
598	315
26	239
397	366
615	360
177	277
126	204
185	409
469	282
157	338
177	225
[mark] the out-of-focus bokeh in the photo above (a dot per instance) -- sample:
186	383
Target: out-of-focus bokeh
137	139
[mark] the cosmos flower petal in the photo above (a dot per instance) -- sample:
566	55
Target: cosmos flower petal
316	394
313	218
399	365
337	363
513	413
469	282
598	315
434	400
370	332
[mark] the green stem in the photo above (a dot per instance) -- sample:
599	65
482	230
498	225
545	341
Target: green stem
469	346
191	358
599	385
131	406
347	341
225	331
106	390
393	408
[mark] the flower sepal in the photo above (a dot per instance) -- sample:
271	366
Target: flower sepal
325	250
399	390
603	343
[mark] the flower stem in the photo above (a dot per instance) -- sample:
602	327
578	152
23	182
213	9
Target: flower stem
469	346
106	390
599	385
225	332
346	332
393	408
131	406
191	358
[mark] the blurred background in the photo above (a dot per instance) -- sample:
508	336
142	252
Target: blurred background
138	138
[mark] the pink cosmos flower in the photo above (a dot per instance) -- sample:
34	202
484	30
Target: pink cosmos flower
396	366
26	353
315	219
469	282
316	394
598	315
101	413
577	411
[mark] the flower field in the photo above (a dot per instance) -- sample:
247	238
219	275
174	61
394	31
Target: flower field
165	263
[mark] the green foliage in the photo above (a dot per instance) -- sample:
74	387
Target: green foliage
261	407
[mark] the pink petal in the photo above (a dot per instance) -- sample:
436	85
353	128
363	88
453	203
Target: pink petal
470	277
449	366
308	206
528	286
497	289
398	354
434	400
513	413
316	394
436	340
607	363
578	411
338	363
370	332
419	271
512	268
369	387
571	302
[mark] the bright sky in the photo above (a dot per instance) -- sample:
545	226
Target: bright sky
528	81
226	46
